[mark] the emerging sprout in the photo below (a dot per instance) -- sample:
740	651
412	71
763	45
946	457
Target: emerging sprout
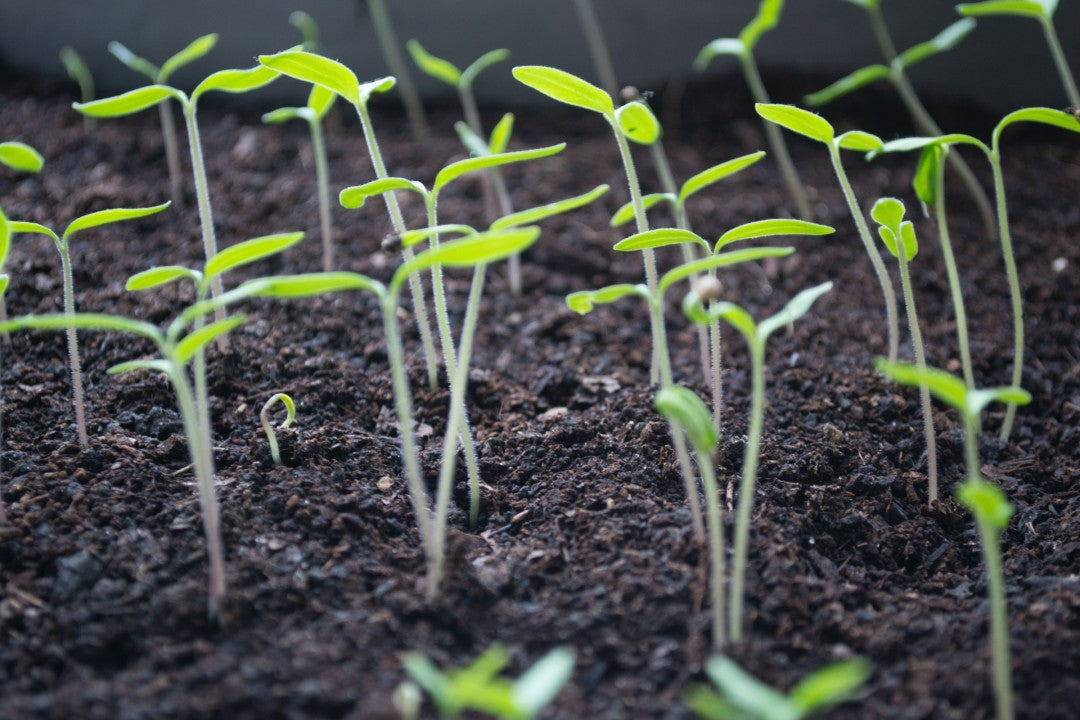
395	63
268	428
79	71
743	696
479	687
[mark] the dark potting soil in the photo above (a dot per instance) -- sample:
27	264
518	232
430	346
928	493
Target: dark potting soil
584	537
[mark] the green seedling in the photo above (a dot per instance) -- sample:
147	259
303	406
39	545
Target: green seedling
320	100
686	410
584	301
742	47
309	30
986	502
479	687
264	419
1045	116
133	101
899	238
333	76
23	158
744	697
160	76
895	71
79	71
598	49
818	128
62	242
1043	12
756	334
395	63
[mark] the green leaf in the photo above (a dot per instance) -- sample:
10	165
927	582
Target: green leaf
379	85
320	100
415	237
859	141
158	276
768	15
76	67
770	228
198	339
626	213
946	387
19	226
288	113
161	366
918	143
425	674
482	63
130	102
795	309
709	705
4	281
500	134
249	251
309	29
1023	8
83	321
731	313
442	70
747	692
540	684
986	502
536	214
889	214
716	173
686	410
1043	115
847	84
462	167
661	237
475	144
925	182
485	247
722	46
236	81
978	400
133	61
566	88
797	120
195	50
944	41
829	686
114	215
583	301
317	70
5	237
637	122
355	196
320	283
20	156
716	261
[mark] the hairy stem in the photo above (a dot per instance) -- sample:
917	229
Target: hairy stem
202	194
746	487
954	277
322	178
395	62
920	362
1014	289
716	547
73	347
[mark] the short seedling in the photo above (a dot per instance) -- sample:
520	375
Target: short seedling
818	128
268	428
992	511
160	76
742	47
62	242
480	688
79	71
744	697
756	334
395	63
899	237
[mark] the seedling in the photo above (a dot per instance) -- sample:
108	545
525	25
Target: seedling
1041	10
1045	116
895	71
756	334
264	419
79	71
395	63
986	502
744	697
742	47
818	128
320	100
479	687
309	30
62	242
594	37
160	75
685	409
22	157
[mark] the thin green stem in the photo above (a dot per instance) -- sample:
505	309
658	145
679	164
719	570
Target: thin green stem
971	446
395	62
3	510
172	152
954	277
776	140
73	347
1014	288
881	33
920	362
594	37
999	630
202	194
716	547
716	379
438	290
322	178
871	249
1062	64
746	486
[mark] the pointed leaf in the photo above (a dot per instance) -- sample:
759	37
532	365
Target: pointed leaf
442	70
195	50
320	100
287	113
475	144
925	182
536	214
722	46
797	120
716	173
829	686
133	61
105	217
19	226
859	141
485	247
1045	116
638	123
249	251
462	167
161	366
482	63
768	15
721	260
4	281
626	213
379	85
82	321
158	276
540	684
1023	8
415	237
196	340
747	692
944	41
795	309
355	196
978	400
986	502
566	88
130	102
316	69
918	143
847	84
5	237
483	669
661	237
770	228
583	301
946	387
500	134
20	156
686	410
306	285
731	313
236	81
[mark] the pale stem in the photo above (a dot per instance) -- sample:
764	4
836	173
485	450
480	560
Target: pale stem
746	486
594	37
73	346
391	50
776	140
954	278
202	194
999	630
716	547
871	249
3	511
1014	289
438	290
716	379
881	33
920	362
322	178
271	437
505	208
1062	64
172	152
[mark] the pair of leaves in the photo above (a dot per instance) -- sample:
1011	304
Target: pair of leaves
88	221
663	237
497	141
327	73
195	50
756	334
319	102
897	234
950	389
767	17
685	409
817	128
449	73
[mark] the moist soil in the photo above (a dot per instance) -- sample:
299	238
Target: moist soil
584	537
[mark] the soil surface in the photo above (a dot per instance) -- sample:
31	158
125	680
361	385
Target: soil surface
584	537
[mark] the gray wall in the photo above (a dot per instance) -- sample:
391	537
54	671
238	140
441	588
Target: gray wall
1004	63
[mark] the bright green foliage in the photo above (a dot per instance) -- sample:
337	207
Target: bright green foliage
768	15
951	390
566	88
895	232
986	502
687	409
638	123
195	50
798	121
264	418
20	156
446	71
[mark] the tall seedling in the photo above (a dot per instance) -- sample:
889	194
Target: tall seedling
742	47
160	76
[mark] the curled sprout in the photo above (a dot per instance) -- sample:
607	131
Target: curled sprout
268	428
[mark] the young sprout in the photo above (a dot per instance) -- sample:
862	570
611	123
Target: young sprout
1041	10
899	237
895	71
744	697
395	63
320	100
742	47
62	242
479	687
992	511
1045	116
685	409
756	334
160	75
79	71
264	418
594	38
818	128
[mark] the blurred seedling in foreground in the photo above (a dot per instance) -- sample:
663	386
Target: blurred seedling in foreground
264	419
